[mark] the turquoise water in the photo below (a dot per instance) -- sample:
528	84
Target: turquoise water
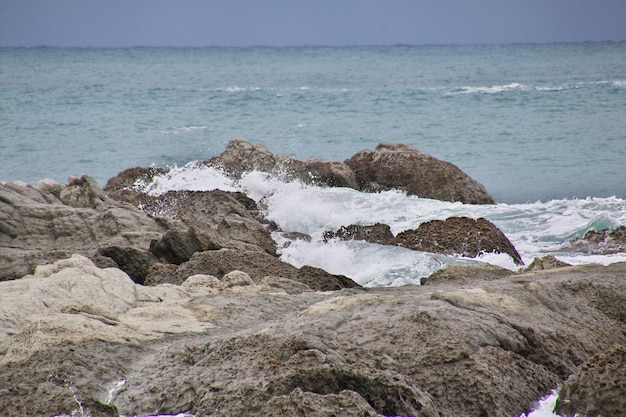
530	122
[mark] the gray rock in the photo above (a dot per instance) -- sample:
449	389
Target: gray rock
49	221
491	348
597	388
241	156
465	274
403	167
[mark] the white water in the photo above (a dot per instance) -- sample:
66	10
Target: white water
535	229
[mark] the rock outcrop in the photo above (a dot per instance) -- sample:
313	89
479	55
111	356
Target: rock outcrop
389	166
597	387
458	236
403	167
454	236
72	332
241	156
49	221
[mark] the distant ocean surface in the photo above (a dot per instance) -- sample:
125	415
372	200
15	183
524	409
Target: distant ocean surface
542	127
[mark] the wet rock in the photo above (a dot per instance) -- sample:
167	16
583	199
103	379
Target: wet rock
378	233
403	167
546	262
603	242
597	388
241	157
458	236
309	404
214	219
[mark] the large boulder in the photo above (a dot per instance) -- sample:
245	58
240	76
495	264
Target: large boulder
403	167
597	388
454	236
458	236
77	335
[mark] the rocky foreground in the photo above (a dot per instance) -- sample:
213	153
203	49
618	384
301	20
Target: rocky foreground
116	302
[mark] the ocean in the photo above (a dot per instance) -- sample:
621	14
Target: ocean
542	127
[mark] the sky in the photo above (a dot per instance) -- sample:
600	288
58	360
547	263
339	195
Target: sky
124	23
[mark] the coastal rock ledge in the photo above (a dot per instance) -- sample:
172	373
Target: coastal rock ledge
77	337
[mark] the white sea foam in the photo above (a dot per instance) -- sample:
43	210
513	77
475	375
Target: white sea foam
494	89
236	89
535	229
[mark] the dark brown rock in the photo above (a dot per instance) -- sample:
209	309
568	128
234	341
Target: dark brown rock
597	388
458	236
378	233
125	185
402	167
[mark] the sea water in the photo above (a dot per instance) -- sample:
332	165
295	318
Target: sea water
542	127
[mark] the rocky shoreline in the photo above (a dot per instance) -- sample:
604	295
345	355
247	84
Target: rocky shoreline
183	298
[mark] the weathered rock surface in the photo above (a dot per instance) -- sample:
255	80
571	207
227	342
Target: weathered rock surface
403	167
466	274
603	242
389	166
453	236
458	236
490	348
48	221
598	386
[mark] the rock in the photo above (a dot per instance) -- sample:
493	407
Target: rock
390	166
546	262
49	221
241	157
378	233
125	186
401	166
597	387
236	279
458	236
603	242
258	265
309	404
200	280
466	274
214	219
492	347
